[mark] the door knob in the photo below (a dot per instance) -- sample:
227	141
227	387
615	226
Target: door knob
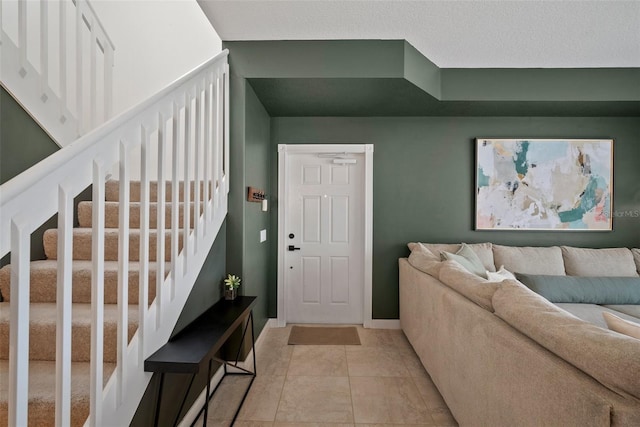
293	248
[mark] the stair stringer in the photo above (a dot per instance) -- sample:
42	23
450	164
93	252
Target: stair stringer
137	380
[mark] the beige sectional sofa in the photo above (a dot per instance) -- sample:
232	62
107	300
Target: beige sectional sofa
502	355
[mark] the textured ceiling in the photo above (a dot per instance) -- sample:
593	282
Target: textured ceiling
452	34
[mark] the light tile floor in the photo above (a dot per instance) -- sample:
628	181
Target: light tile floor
379	383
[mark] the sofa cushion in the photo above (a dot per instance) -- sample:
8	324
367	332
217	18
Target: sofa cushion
592	313
636	258
622	326
598	262
628	309
608	357
424	260
588	290
474	287
483	250
530	260
467	258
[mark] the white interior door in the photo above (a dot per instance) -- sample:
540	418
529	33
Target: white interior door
324	237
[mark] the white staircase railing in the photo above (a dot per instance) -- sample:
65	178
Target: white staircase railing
57	60
184	128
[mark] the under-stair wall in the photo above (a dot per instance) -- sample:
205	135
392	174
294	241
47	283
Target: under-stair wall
23	143
187	123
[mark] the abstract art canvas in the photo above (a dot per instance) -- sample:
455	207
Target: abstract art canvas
544	184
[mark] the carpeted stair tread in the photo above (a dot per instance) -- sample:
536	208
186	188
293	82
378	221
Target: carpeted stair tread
42	377
42	331
82	244
112	191
44	279
43	294
111	216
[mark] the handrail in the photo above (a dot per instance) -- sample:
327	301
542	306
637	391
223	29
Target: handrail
17	185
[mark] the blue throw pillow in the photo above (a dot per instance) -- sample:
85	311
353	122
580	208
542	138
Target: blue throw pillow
585	290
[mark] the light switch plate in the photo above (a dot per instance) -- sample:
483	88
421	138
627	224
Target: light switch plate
263	236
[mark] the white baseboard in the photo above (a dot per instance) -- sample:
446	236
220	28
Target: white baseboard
385	324
271	323
373	324
191	415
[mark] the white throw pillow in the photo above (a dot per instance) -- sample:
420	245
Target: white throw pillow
621	326
500	275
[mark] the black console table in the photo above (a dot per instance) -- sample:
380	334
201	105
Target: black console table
196	346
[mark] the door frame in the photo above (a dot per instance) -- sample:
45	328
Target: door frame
283	152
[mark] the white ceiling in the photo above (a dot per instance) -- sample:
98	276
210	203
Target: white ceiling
452	34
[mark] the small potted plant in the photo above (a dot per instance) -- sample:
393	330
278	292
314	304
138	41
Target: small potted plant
231	284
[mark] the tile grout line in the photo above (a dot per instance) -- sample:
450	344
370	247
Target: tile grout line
424	400
404	358
353	409
284	382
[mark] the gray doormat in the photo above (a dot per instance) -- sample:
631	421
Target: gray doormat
321	335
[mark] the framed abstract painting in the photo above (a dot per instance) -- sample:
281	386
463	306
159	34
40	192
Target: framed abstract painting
544	184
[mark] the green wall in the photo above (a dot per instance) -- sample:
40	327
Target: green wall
250	142
235	216
255	269
423	185
23	143
348	92
363	78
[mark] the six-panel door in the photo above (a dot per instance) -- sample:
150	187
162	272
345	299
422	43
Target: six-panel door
324	279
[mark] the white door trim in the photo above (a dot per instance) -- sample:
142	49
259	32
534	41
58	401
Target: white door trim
367	149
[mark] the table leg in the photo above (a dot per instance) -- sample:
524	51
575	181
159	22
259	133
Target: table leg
184	400
253	344
206	402
158	400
